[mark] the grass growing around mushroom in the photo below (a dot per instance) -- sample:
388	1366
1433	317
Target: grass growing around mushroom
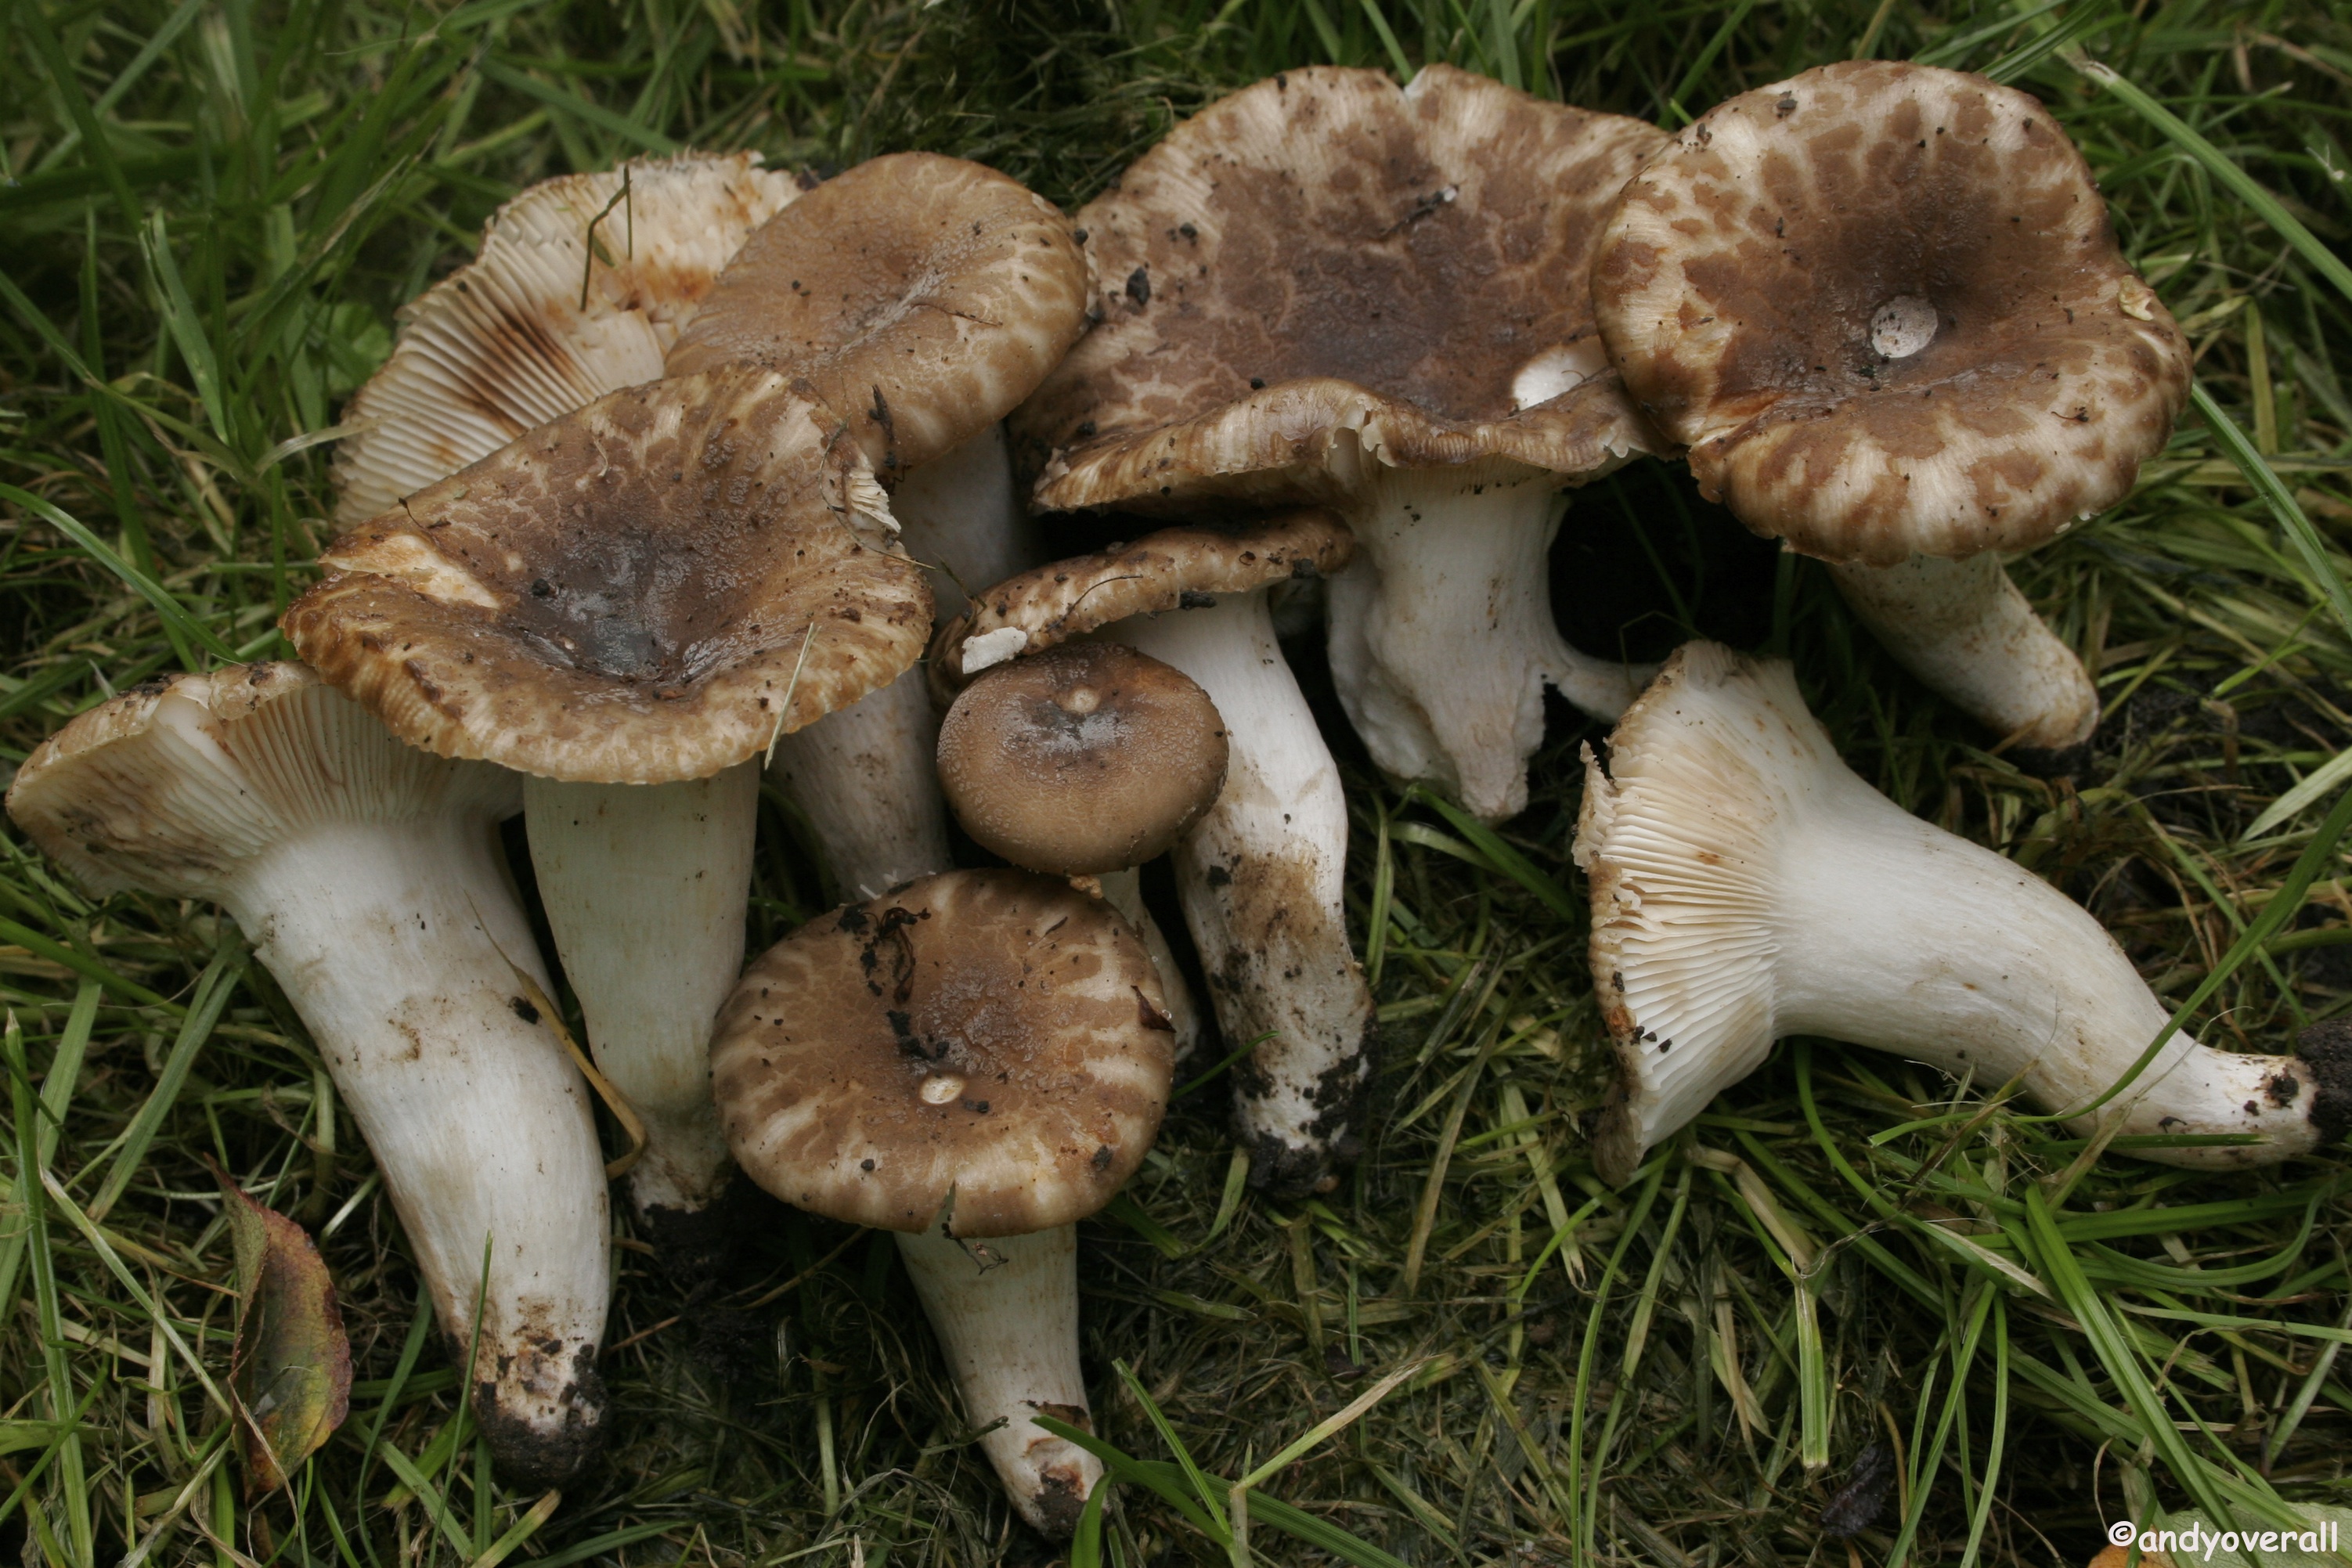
1850	1297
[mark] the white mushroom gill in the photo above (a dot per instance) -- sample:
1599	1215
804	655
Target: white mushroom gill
645	887
1963	628
1442	637
367	876
1261	875
1746	885
1006	1314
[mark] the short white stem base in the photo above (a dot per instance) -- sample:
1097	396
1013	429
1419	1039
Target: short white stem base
1006	1314
1962	627
1123	891
865	777
1442	638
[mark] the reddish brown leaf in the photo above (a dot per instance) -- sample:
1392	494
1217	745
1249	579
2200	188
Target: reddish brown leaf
290	1372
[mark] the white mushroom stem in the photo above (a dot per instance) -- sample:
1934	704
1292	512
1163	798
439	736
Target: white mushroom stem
393	942
1962	627
1261	878
1006	1314
1745	886
645	887
1123	891
1442	638
864	777
864	774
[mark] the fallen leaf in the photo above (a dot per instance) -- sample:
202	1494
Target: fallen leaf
290	1370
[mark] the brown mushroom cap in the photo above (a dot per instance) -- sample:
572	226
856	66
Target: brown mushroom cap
1324	256
922	297
1883	305
1171	570
505	343
1088	758
623	596
993	1035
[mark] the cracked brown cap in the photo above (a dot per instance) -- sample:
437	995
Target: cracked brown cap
1883	307
178	784
507	342
1085	758
993	1037
922	297
649	589
1174	569
1325	267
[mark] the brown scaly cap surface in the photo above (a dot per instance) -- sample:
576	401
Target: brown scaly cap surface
1085	758
993	1034
622	596
922	296
1759	265
171	786
1326	252
505	343
1165	570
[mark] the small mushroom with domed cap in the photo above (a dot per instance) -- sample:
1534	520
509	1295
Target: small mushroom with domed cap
1325	289
1747	885
629	605
1088	760
367	876
1260	873
1882	305
976	1061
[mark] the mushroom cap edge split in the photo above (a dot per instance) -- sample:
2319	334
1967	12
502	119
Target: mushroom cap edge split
921	297
1883	307
626	595
504	344
994	1036
1325	254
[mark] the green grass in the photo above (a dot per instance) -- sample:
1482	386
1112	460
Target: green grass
210	211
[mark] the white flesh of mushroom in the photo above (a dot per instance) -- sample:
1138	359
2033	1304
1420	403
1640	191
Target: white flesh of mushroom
1962	627
1006	1314
645	887
865	774
1261	878
1123	891
1747	885
1441	639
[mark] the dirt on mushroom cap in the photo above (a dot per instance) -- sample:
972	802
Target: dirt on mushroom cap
1402	250
623	595
993	1035
1754	263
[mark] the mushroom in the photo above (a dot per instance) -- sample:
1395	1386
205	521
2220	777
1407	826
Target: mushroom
368	878
1324	289
1087	760
630	604
548	318
1746	885
921	297
976	1061
1260	873
1882	305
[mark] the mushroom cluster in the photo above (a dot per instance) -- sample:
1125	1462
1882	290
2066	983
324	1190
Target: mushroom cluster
683	476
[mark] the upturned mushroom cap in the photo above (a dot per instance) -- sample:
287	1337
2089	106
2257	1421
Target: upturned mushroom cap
1883	305
1175	569
505	343
175	785
993	1038
922	297
1088	758
651	589
1325	263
